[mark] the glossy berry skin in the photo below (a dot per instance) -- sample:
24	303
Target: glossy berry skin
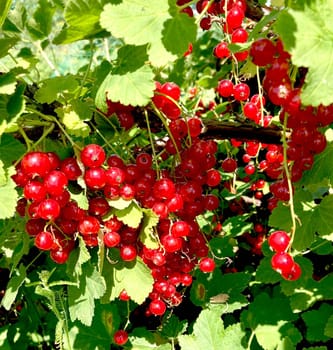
120	337
89	226
225	88
241	92
207	265
44	240
262	52
60	256
35	164
48	209
279	241
229	165
93	155
128	252
294	273
111	239
164	189
282	262
55	182
157	307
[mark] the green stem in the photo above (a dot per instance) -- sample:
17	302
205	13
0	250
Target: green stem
165	124
152	142
204	11
46	57
288	177
250	341
53	120
87	70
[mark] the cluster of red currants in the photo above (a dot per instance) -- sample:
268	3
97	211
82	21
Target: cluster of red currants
306	140
282	261
55	220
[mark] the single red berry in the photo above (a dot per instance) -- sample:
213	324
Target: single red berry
282	262
294	273
207	265
157	307
93	155
128	252
36	164
111	239
229	165
48	209
279	241
225	88
44	240
120	337
241	92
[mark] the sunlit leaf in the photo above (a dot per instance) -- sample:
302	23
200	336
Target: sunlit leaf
308	36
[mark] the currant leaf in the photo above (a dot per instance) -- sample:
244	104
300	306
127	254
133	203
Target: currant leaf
55	88
150	220
307	35
130	216
149	16
208	331
128	277
132	88
82	18
81	298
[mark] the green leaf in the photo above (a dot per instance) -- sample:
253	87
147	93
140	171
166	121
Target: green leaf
232	337
139	343
4	9
269	336
149	16
279	310
173	326
55	89
182	27
119	203
316	321
40	24
6	44
10	149
133	88
128	277
125	61
77	258
206	287
73	121
328	331
4	343
7	83
307	225
8	199
81	299
149	222
13	287
98	335
82	18
81	199
237	225
208	332
321	169
308	36
130	216
11	107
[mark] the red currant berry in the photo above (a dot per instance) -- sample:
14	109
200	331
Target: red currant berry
120	337
157	307
279	241
207	265
93	156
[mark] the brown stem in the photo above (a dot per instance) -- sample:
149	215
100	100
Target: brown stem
239	131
